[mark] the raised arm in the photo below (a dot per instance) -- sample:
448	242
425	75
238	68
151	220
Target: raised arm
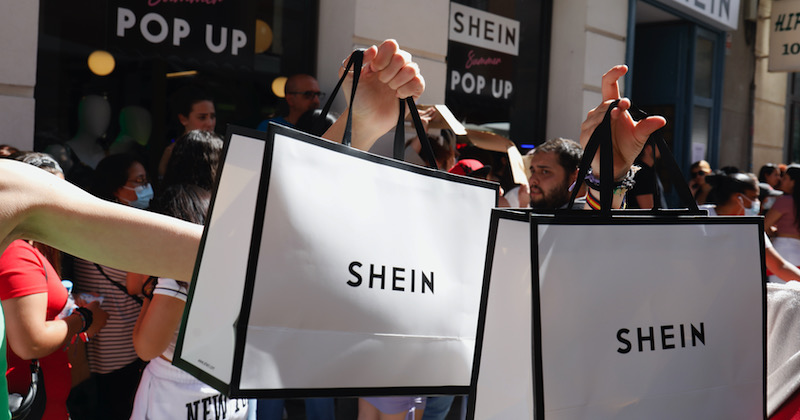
388	74
628	136
36	205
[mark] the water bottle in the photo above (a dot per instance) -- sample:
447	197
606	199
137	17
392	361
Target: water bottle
70	305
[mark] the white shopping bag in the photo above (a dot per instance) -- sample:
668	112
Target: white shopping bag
328	271
667	322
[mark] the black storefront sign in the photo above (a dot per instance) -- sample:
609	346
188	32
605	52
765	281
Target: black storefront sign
480	72
481	59
218	31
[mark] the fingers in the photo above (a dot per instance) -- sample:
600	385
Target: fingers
610	85
383	55
593	119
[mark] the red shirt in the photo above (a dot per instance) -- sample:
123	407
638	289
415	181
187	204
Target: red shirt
25	271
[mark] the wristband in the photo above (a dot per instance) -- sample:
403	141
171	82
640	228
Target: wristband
594	202
86	317
624	185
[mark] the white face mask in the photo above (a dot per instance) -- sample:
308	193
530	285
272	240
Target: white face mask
755	206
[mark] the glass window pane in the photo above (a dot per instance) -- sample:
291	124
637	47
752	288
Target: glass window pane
701	123
704	65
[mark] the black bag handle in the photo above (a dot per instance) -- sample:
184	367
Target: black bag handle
400	136
355	62
602	137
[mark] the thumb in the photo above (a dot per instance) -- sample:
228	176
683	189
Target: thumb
647	126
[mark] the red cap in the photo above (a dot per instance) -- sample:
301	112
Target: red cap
470	167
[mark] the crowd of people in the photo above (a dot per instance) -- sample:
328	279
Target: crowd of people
140	262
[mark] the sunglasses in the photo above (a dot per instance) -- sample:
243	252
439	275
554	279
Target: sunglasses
309	94
695	174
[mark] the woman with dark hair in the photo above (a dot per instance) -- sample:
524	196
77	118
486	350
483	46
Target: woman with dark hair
736	194
196	111
195	159
33	300
770	174
166	391
123	179
114	366
783	219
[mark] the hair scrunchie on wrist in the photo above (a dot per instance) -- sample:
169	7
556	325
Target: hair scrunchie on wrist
86	316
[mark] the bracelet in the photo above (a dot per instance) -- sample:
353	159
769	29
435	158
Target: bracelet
594	202
624	185
86	317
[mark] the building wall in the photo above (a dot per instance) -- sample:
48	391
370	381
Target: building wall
19	31
588	38
419	26
737	98
769	107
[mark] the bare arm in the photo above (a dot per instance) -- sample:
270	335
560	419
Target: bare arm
645	201
628	136
36	205
31	336
771	218
780	267
156	325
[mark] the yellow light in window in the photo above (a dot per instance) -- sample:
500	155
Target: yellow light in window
278	86
101	62
263	36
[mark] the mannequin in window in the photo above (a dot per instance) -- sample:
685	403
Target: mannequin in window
135	126
94	115
79	155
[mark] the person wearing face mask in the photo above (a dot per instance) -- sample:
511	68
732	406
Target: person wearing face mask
113	364
737	194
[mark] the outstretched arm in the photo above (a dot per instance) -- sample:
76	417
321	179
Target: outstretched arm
36	205
388	74
629	136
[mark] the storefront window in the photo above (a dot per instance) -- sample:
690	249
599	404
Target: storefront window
497	66
231	50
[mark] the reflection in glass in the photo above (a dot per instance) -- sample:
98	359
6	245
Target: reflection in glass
701	124
704	65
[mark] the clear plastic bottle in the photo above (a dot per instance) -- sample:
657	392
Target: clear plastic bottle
70	305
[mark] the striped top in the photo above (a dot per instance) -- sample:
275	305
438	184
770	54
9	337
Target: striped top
112	348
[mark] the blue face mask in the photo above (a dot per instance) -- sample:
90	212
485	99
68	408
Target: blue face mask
144	193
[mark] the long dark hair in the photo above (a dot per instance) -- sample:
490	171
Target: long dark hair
183	201
195	160
765	170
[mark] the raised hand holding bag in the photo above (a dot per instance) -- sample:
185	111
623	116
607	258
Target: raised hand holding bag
622	314
325	271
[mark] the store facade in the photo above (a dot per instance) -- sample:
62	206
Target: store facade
529	69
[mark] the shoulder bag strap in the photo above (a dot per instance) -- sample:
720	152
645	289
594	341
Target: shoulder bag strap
137	299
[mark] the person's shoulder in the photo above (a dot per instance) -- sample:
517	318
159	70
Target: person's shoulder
784	201
19	248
